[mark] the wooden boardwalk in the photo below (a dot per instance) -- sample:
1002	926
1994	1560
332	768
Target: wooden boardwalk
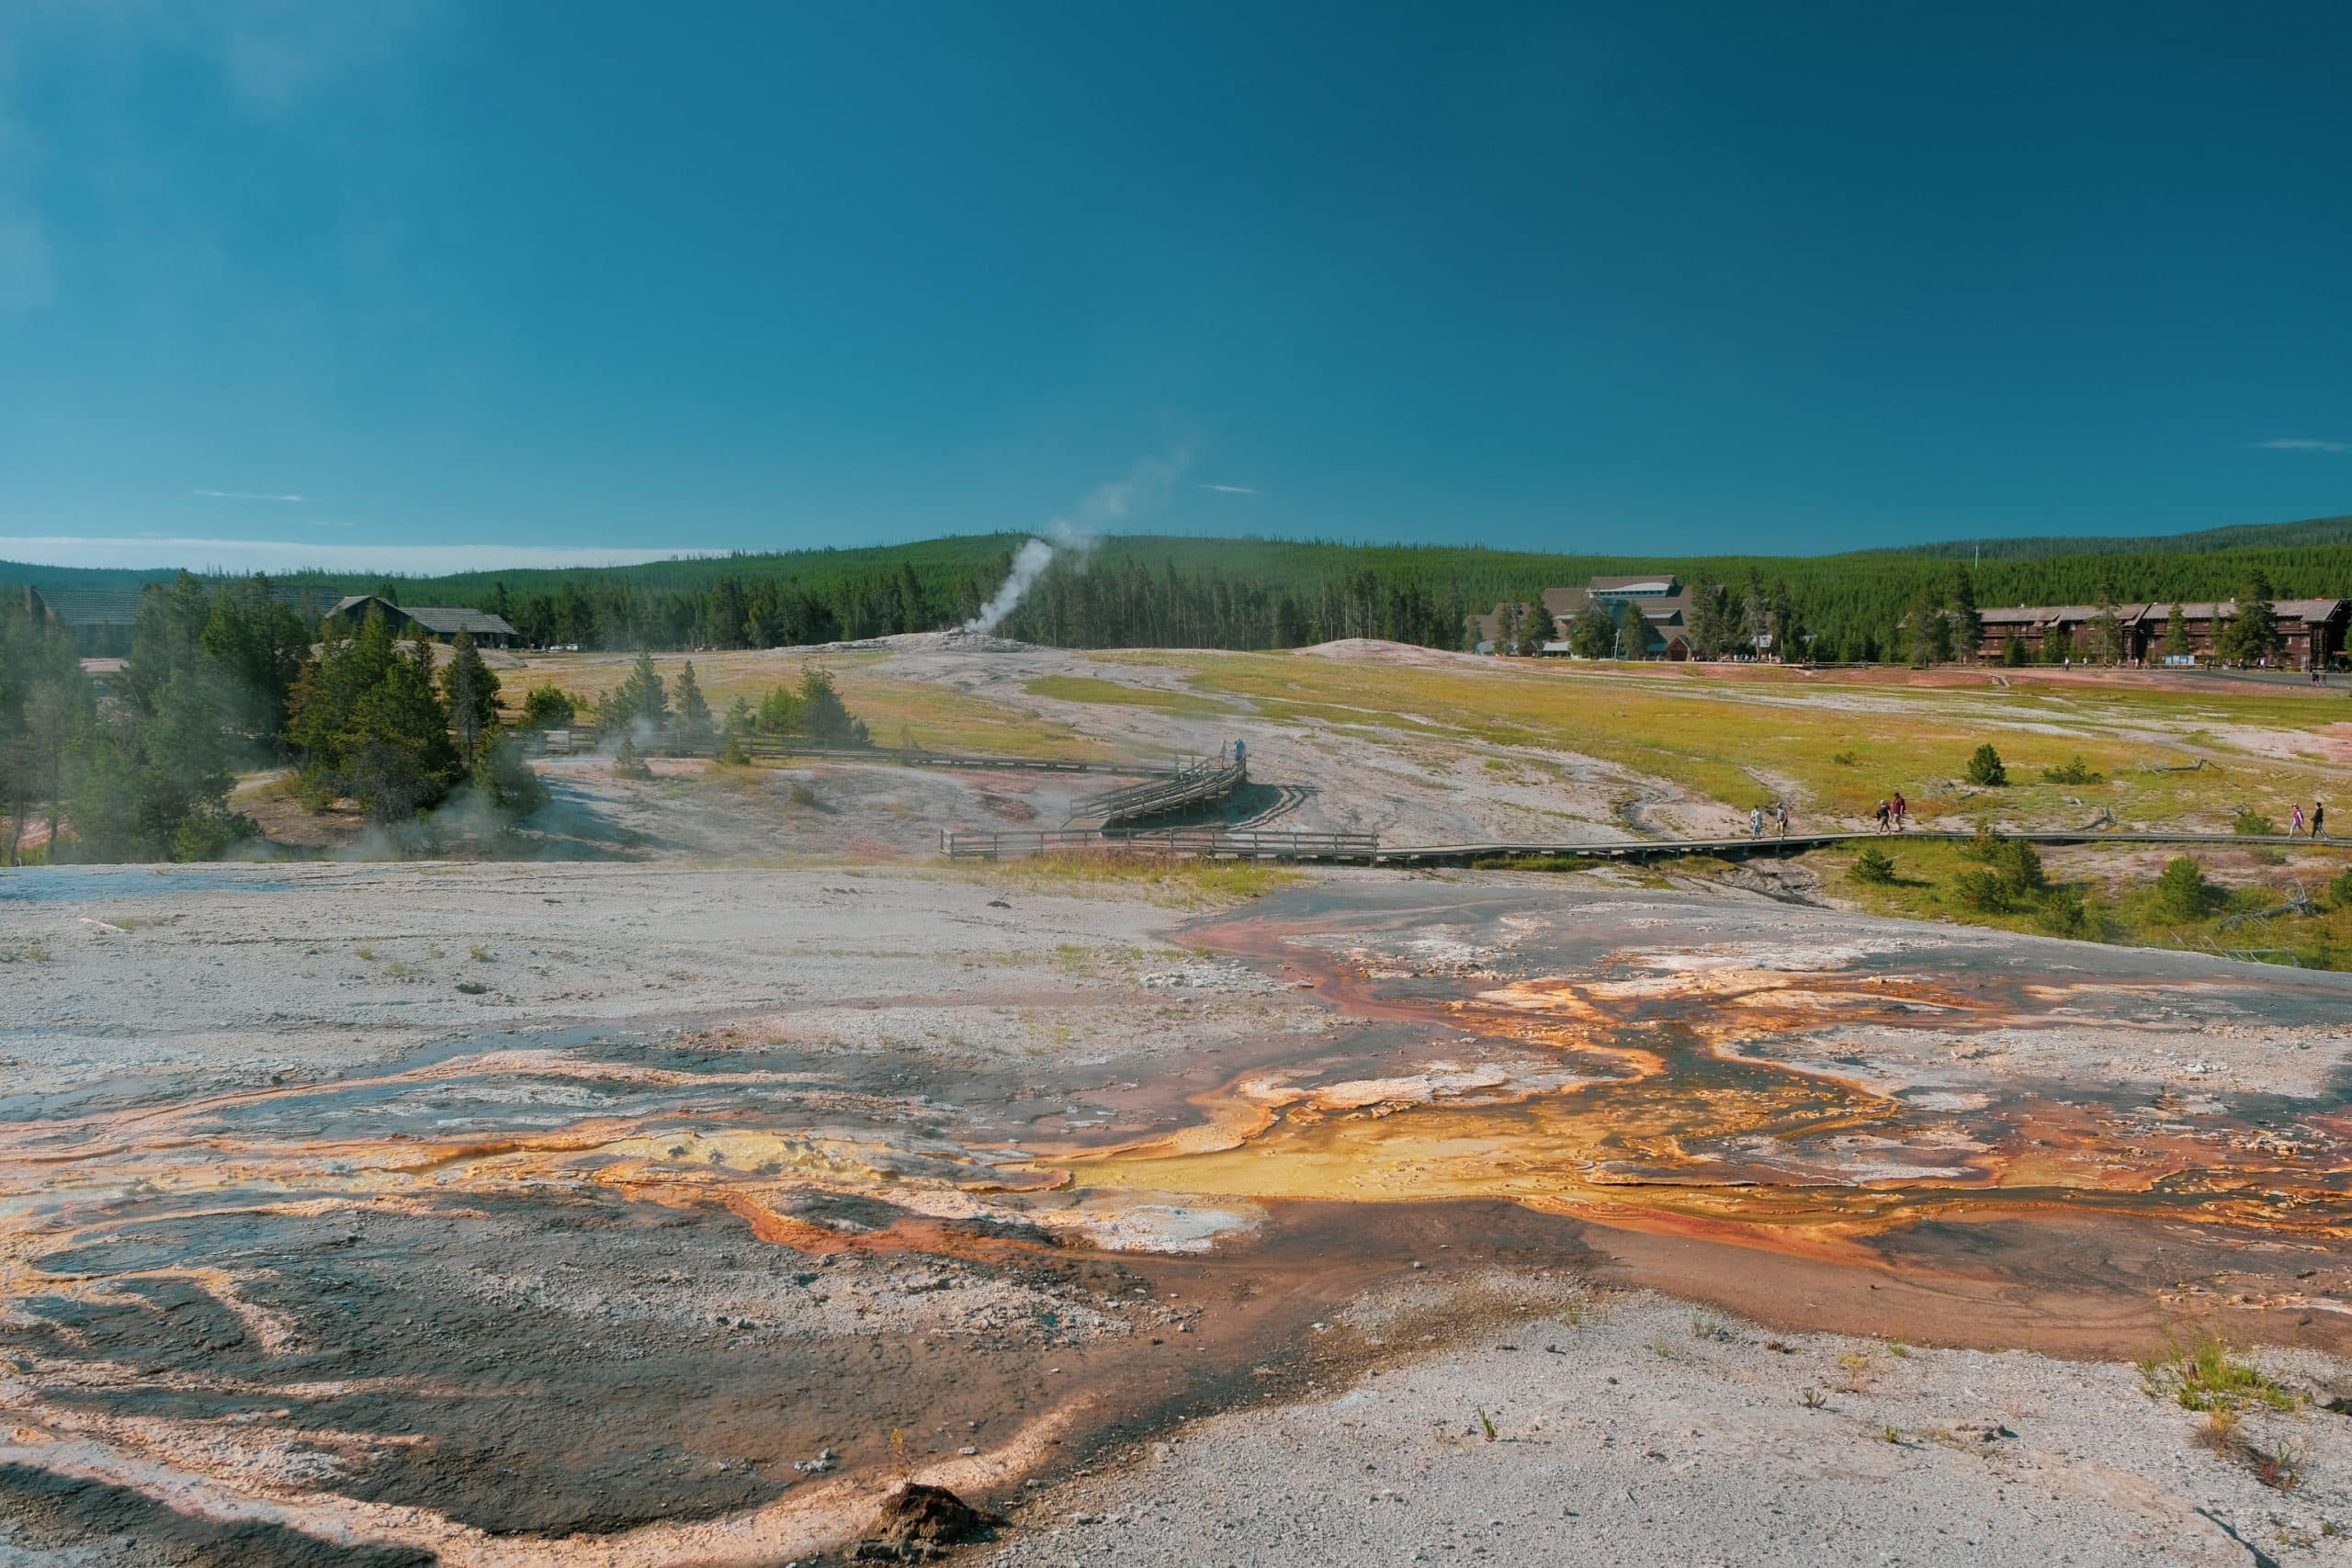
1197	784
1365	849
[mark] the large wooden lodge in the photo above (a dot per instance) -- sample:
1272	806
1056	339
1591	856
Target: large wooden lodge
2310	628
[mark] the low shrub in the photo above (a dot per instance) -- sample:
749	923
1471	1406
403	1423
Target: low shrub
545	707
1985	767
2074	770
2182	892
2254	824
1875	866
1982	891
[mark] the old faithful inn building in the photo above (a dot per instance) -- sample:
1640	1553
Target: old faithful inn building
2310	628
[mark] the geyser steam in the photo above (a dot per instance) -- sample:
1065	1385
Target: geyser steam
1029	563
1113	502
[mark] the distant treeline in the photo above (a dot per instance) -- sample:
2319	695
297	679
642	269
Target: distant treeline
1156	591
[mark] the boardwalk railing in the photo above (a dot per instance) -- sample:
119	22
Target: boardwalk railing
1743	845
1196	784
1201	843
1367	849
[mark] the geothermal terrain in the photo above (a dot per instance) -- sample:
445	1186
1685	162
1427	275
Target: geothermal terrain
675	1188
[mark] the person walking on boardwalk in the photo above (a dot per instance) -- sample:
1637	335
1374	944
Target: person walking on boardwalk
1902	808
1755	821
1883	811
2319	818
1780	815
2297	829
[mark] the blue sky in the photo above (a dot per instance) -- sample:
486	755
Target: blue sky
514	281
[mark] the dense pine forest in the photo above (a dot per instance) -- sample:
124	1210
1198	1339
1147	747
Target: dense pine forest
1159	590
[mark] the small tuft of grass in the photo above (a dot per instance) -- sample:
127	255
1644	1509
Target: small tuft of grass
479	954
31	952
1712	1328
2282	1467
1814	1399
2204	1375
1486	1423
364	954
2219	1430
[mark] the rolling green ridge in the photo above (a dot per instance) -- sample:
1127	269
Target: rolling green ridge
1161	590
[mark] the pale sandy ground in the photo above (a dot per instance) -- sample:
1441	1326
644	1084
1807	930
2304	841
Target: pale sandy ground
1653	1434
1636	1432
132	981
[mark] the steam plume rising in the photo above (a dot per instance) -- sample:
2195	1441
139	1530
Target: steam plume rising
1029	563
1113	502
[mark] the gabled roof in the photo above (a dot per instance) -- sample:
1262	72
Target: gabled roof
96	607
440	619
2152	615
1650	584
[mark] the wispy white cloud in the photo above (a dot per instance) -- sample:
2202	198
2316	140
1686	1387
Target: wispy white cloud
1230	489
244	495
294	555
2299	444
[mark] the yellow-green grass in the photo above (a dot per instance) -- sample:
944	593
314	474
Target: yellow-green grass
1088	689
1185	883
2119	896
1841	747
895	710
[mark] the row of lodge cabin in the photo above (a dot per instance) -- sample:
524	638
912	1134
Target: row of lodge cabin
2311	629
103	621
412	621
1663	600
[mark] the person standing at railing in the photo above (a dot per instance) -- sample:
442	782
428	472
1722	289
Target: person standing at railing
1242	754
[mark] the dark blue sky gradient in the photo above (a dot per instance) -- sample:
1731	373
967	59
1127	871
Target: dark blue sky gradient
1672	277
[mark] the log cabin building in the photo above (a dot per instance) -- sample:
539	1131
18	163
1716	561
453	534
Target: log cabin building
2309	627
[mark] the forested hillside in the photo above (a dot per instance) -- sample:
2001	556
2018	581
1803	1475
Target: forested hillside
1150	590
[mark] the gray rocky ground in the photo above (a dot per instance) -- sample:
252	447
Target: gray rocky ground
620	1214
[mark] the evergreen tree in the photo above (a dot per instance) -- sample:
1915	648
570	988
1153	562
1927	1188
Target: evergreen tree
2176	642
1633	633
368	724
2014	652
2251	634
823	715
395	754
472	689
1967	627
692	730
639	705
506	776
2106	628
780	712
1534	627
547	707
46	705
1788	627
1930	627
1592	632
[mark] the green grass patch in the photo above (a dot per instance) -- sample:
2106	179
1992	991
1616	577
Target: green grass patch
1184	884
1087	688
2203	1374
